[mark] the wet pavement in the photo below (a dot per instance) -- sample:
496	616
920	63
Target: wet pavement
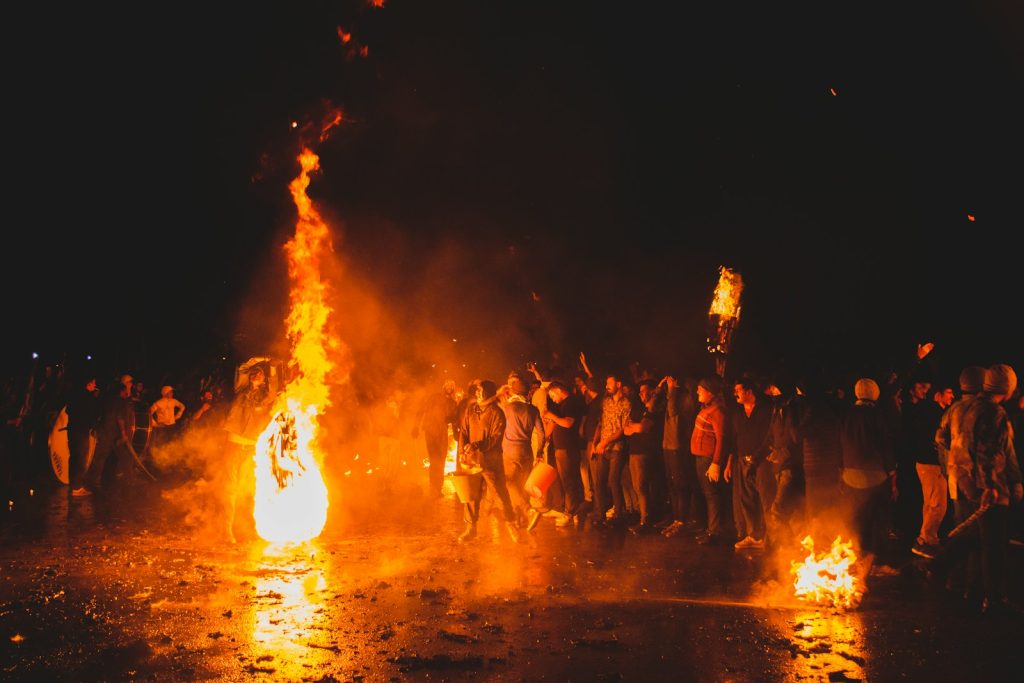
125	588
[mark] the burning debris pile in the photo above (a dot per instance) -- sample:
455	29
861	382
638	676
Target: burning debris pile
826	578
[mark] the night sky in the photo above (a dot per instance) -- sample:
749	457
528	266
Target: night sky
524	177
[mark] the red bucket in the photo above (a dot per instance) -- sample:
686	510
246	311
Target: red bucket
540	480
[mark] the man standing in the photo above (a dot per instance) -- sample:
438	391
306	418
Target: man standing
164	415
565	411
521	446
248	416
610	452
480	436
993	481
755	484
706	444
436	413
83	414
644	431
113	435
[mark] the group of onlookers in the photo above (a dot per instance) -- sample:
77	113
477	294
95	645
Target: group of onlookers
753	461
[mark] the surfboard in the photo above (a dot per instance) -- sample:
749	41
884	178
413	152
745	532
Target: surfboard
60	452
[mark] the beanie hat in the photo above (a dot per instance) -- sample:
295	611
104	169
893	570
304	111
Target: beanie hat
972	379
1000	379
712	384
866	389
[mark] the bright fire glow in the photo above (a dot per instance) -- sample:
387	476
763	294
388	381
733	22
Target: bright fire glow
291	496
825	579
726	302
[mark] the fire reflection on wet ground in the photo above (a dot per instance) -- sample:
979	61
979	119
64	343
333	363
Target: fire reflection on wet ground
124	591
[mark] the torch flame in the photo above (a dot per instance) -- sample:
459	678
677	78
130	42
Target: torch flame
826	579
726	301
291	496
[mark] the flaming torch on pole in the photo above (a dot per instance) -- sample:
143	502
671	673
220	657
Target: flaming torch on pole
724	316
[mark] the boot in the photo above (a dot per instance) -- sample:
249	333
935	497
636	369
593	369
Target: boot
469	533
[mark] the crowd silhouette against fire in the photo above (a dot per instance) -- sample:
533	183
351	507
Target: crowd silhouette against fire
919	471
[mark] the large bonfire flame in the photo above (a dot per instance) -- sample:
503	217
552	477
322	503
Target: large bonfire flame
291	496
825	579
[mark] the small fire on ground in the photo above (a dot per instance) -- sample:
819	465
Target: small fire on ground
826	578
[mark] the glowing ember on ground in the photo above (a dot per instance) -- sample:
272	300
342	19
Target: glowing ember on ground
291	496
826	579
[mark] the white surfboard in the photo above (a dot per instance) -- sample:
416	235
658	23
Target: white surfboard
60	452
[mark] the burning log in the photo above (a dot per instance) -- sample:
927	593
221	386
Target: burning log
724	316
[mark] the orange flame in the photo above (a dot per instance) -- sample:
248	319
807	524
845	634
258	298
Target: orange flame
826	579
291	496
726	302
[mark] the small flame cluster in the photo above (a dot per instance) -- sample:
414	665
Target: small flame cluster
826	579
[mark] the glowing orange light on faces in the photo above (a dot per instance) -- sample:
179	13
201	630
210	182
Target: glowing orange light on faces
825	579
291	496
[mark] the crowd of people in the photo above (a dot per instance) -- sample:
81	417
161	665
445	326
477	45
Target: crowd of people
906	464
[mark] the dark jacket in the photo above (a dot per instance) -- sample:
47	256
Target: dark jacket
867	439
482	428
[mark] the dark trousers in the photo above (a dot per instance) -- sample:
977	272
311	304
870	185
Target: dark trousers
788	499
683	488
606	476
870	510
102	462
712	493
821	492
78	453
494	481
640	472
567	461
989	536
756	486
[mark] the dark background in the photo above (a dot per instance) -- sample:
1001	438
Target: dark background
554	176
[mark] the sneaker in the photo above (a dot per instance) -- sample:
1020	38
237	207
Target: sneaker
748	542
532	517
513	531
468	534
80	492
925	550
563	520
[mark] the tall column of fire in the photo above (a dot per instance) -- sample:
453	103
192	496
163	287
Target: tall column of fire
291	496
